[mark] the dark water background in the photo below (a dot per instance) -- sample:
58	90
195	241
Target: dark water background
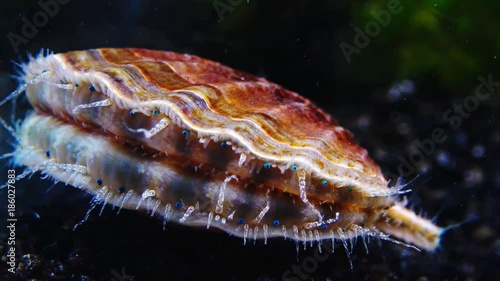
393	94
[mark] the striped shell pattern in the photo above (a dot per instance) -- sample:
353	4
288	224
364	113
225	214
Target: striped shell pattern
201	144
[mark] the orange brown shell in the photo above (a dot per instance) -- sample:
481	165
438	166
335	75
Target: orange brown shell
276	123
184	110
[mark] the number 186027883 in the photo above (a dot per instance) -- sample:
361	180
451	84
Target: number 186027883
11	193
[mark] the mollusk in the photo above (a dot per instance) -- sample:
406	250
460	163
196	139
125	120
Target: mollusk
201	144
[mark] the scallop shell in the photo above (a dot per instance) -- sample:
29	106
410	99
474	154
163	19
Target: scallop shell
201	144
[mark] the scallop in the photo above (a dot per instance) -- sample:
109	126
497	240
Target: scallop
198	143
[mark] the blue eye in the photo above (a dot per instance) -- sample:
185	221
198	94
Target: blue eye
276	222
77	85
92	88
323	227
185	132
324	183
178	204
156	112
267	165
241	220
132	113
349	189
47	153
223	144
294	168
121	189
99	181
